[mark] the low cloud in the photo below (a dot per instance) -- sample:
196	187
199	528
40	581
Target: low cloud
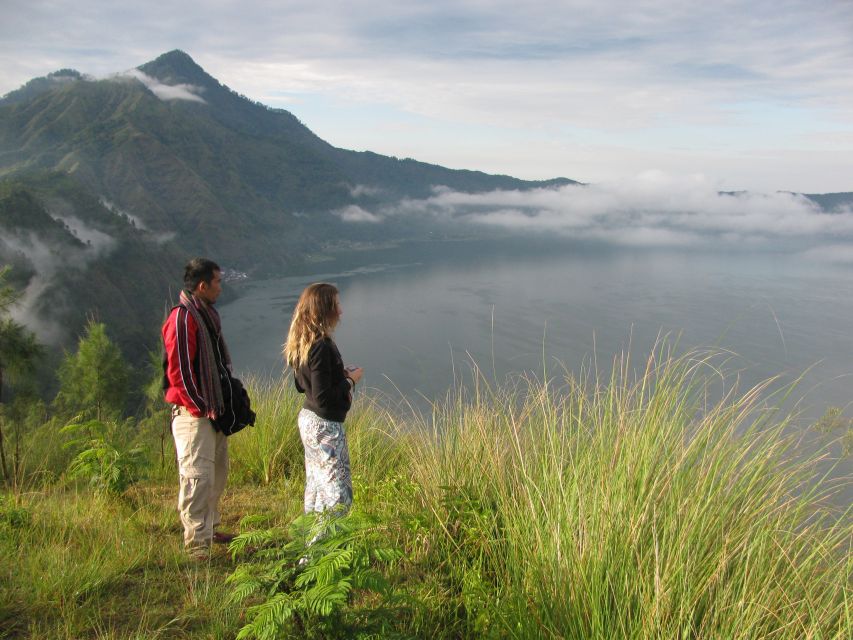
360	190
651	209
43	257
48	258
98	242
167	92
832	253
164	237
354	213
24	312
46	261
161	237
114	208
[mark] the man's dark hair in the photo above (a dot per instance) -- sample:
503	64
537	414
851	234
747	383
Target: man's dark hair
199	270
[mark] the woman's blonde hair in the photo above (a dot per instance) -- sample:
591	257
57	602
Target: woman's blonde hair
314	317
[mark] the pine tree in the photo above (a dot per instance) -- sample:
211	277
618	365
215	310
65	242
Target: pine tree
94	381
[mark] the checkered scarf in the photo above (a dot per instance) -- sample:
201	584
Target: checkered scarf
210	331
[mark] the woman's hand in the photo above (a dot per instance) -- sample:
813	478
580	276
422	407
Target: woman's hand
355	373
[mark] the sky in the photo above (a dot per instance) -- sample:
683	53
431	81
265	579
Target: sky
732	94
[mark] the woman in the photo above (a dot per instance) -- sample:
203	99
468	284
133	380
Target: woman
320	374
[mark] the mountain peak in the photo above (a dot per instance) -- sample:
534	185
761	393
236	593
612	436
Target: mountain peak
175	67
176	57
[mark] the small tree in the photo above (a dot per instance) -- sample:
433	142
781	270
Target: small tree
18	350
308	576
105	455
94	381
93	389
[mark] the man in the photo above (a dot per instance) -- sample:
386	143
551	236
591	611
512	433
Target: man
195	356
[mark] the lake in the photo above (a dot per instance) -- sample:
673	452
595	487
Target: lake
416	317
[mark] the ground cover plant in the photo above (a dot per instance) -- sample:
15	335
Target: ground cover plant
661	502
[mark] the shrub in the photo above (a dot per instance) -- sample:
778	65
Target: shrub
308	575
104	456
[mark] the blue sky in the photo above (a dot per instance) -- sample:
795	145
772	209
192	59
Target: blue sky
738	94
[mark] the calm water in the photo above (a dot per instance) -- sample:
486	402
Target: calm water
417	317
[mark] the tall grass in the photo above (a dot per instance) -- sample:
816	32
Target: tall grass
79	564
270	450
570	507
632	509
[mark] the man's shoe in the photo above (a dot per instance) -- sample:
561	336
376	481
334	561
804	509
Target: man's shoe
199	554
220	537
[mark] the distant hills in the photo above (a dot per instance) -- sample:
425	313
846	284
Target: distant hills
831	202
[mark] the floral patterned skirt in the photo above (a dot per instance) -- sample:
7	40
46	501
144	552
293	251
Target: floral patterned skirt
327	473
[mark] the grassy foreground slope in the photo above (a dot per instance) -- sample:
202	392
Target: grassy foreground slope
628	508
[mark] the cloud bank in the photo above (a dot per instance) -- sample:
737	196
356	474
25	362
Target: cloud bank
652	209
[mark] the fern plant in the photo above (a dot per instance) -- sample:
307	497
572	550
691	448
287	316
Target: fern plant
105	457
308	576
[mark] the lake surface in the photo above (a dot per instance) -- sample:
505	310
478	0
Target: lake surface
417	317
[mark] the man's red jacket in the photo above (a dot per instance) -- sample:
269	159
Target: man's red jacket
180	337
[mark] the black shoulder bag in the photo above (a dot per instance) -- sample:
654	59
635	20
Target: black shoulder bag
238	412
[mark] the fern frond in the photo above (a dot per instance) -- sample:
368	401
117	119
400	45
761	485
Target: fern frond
371	580
268	618
323	599
386	554
253	520
243	590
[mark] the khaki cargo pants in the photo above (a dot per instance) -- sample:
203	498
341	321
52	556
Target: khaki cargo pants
203	470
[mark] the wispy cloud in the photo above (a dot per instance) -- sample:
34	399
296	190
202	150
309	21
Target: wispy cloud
49	257
166	92
114	208
361	190
98	242
47	260
354	213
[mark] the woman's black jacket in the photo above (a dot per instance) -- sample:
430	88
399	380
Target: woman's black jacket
324	382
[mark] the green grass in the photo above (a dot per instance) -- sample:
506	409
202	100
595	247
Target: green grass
629	508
